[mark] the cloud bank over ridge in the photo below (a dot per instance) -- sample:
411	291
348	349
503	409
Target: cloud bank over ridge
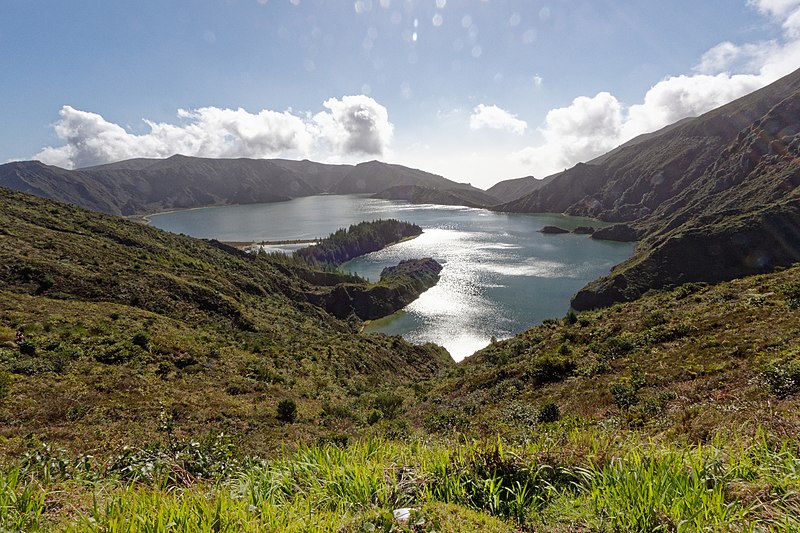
591	126
350	126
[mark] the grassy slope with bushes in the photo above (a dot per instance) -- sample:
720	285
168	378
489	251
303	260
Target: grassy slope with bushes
123	321
167	382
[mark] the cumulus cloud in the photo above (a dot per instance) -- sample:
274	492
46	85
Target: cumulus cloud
590	127
354	125
586	128
493	117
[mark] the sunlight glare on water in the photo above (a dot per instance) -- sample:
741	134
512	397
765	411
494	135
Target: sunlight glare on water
500	275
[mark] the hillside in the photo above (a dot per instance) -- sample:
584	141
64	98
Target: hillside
417	194
124	322
142	186
513	189
685	364
712	198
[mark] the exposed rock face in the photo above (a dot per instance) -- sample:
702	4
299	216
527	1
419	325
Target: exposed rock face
584	230
399	286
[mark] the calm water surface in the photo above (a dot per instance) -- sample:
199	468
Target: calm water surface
500	277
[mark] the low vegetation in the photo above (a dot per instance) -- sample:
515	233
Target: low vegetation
166	383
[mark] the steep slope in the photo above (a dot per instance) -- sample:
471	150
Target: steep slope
180	182
124	321
630	182
688	363
56	183
711	198
513	189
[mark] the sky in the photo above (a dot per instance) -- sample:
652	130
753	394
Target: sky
475	90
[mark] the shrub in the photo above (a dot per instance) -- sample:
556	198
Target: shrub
388	403
548	412
141	339
782	378
550	368
375	416
27	348
614	346
287	410
5	384
625	391
792	293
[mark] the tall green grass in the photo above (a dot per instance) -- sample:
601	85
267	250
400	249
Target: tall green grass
589	478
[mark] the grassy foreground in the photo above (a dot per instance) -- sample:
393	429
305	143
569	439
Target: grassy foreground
565	480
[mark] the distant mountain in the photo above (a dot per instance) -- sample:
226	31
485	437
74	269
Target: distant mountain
417	194
509	190
139	186
712	198
374	176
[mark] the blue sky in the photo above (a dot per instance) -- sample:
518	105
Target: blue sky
476	90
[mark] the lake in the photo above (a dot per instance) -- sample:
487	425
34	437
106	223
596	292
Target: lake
500	277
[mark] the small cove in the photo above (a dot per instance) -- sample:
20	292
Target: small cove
500	277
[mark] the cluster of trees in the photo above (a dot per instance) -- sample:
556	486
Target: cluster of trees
359	239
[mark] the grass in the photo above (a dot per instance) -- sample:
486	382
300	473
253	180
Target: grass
586	480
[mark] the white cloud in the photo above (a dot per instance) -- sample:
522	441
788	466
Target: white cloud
591	126
786	12
354	125
493	117
583	130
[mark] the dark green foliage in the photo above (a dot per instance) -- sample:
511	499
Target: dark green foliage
340	440
375	416
625	391
444	421
358	239
388	403
142	340
5	384
548	412
550	368
287	410
27	348
571	318
614	346
792	293
782	378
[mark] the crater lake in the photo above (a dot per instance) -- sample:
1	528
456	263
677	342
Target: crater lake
501	275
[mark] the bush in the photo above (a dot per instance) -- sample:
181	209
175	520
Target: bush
550	368
548	412
782	378
625	391
388	403
287	410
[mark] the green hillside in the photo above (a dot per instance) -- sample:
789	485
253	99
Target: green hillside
124	322
169	383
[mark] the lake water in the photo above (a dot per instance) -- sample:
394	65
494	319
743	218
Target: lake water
500	277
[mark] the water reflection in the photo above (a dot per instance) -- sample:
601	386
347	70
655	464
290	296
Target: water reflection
500	276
